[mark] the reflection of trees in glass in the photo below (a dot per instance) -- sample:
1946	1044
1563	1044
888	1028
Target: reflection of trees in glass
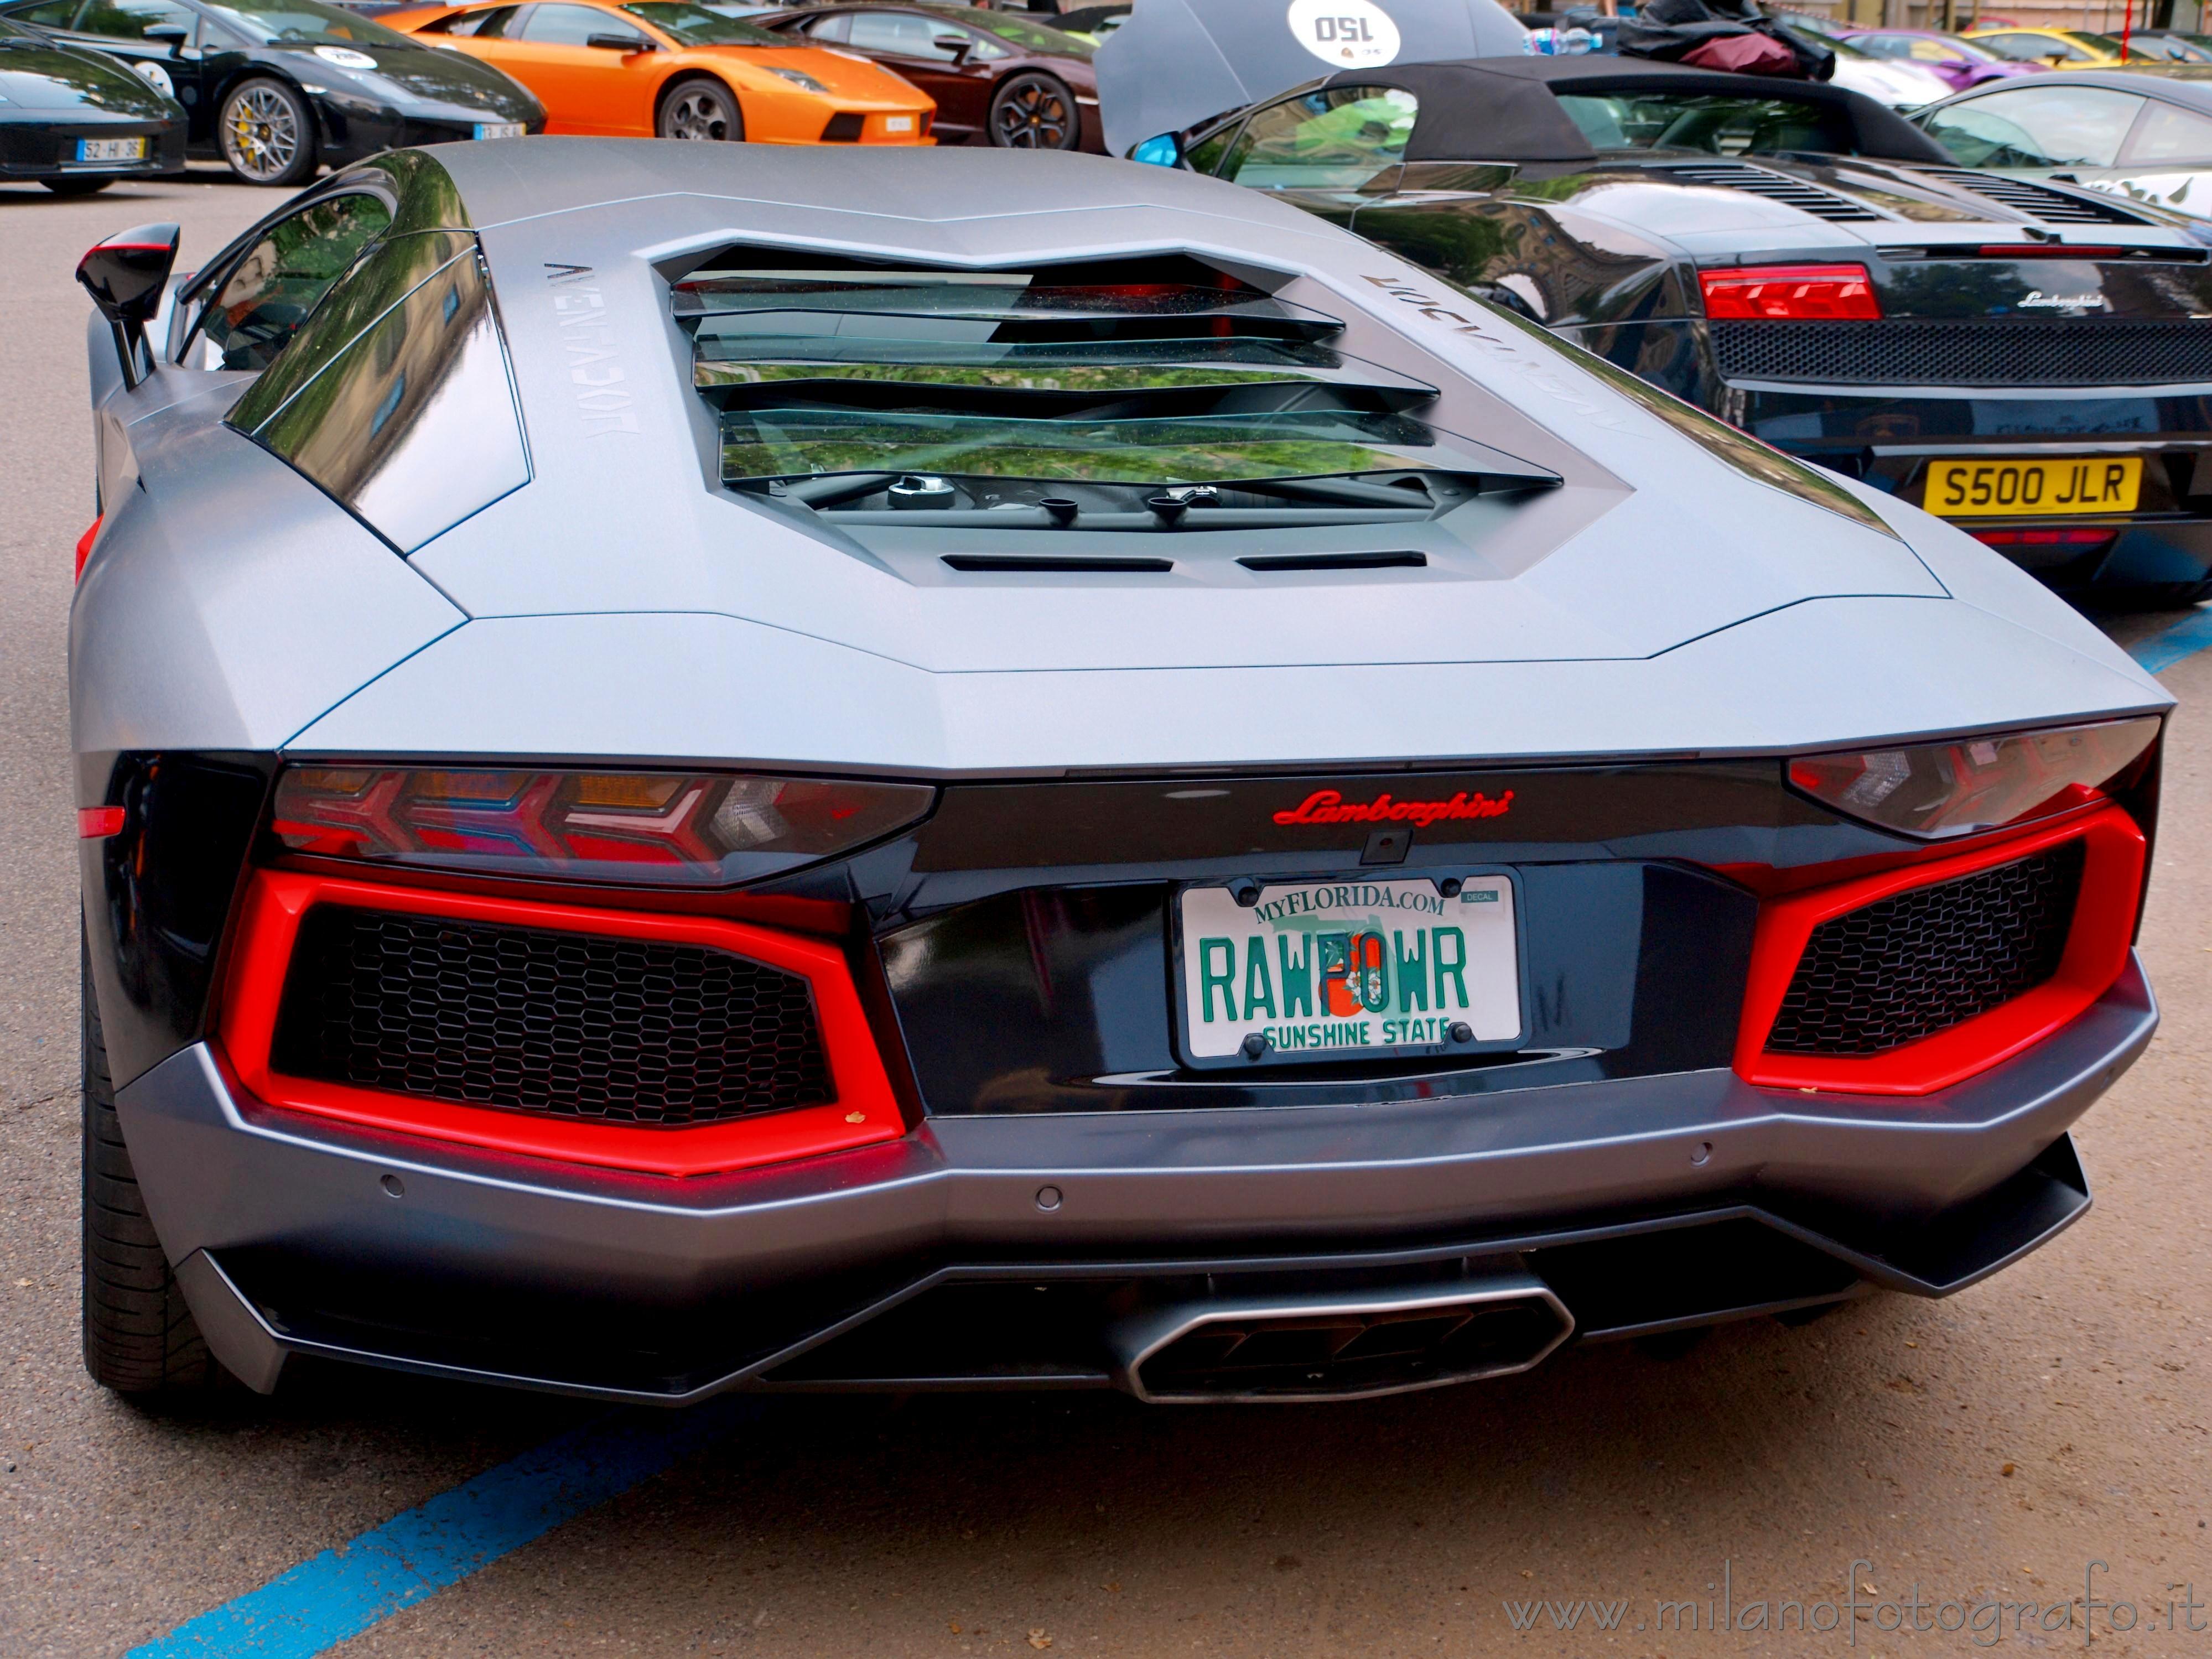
1139	379
392	268
429	197
758	443
348	421
766	458
270	292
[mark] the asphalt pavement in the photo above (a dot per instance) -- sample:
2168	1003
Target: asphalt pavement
1981	1451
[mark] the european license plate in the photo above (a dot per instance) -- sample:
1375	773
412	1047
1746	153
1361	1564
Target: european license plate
111	149
499	129
898	124
1323	970
2071	483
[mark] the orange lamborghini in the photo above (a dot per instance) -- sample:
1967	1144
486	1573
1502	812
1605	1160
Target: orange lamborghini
670	69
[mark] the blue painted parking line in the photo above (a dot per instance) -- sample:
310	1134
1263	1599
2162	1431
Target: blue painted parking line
2192	634
361	1583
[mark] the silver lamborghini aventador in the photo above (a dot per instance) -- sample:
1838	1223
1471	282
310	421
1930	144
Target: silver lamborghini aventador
706	768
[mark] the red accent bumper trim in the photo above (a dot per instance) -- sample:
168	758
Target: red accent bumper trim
269	924
2096	952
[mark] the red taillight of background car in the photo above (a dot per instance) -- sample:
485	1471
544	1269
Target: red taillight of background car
1791	293
663	827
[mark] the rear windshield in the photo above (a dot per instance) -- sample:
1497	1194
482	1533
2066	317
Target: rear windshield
1704	123
1095	389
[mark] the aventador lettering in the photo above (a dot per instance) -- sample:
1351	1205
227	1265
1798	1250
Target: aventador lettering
1327	806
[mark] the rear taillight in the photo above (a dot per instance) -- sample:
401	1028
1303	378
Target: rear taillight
1957	788
1791	292
668	827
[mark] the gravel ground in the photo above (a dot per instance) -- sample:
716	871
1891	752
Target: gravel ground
1991	1445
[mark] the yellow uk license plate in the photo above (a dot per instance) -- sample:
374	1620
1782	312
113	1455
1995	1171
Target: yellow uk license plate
2009	489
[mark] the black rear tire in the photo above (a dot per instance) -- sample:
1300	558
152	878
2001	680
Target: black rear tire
139	1336
1034	111
67	185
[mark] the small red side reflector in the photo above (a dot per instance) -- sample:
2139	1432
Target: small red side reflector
93	822
84	545
1791	293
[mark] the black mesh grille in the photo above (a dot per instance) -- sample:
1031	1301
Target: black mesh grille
2054	351
573	1025
1775	187
1921	962
844	128
2052	207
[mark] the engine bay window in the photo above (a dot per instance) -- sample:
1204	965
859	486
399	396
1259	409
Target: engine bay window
1137	396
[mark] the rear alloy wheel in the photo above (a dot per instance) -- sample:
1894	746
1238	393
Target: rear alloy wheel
267	133
701	108
1034	111
66	186
139	1337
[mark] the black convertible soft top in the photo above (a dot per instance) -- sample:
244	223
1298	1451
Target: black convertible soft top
1502	109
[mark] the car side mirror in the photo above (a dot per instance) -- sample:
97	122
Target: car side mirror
125	276
958	45
1162	150
621	43
176	32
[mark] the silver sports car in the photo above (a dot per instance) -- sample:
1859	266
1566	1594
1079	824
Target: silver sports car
708	768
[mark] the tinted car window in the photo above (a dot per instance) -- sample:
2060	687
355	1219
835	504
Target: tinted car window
903	32
54	14
696	26
489	24
411	424
267	294
569	25
2032	48
1702	122
1335	139
304	23
2063	126
2168	134
129	20
832	27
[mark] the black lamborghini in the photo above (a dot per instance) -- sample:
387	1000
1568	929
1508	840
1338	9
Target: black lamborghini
2031	360
77	121
277	88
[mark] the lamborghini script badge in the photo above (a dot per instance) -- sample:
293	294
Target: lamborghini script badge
1327	806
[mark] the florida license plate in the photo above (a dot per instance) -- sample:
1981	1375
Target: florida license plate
499	129
111	149
1329	971
2022	488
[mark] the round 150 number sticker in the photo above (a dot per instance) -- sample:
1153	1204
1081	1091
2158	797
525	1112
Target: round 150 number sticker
1344	33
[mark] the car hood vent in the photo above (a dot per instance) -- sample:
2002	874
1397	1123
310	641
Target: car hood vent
2052	207
1775	187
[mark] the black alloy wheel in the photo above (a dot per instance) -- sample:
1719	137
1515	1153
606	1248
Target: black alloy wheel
267	133
701	107
1034	111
